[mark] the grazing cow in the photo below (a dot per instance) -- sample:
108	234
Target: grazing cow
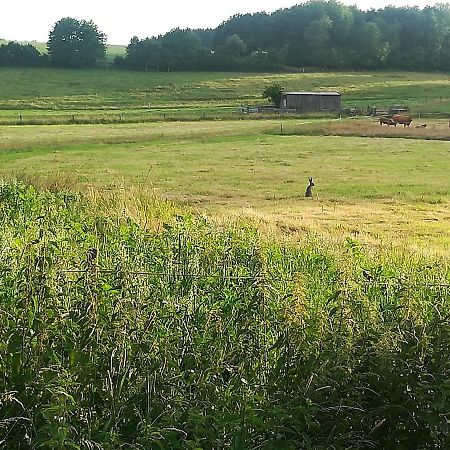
387	120
403	119
308	192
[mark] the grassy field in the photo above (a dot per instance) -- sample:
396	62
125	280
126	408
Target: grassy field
384	190
113	50
252	169
52	89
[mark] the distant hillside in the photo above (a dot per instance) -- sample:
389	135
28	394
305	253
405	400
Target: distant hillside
111	51
114	50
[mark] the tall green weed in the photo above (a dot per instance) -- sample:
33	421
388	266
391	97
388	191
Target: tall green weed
191	334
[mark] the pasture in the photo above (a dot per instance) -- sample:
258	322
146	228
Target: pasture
168	285
102	90
385	190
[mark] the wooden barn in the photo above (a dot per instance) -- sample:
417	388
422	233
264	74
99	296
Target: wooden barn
311	101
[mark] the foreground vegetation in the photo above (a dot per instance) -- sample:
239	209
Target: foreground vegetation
128	322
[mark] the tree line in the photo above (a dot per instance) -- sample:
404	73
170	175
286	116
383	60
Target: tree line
316	34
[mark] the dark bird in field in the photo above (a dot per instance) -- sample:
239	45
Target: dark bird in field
367	275
91	255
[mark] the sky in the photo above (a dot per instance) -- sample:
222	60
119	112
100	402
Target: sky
28	20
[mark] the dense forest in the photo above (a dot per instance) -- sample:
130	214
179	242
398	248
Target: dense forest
317	34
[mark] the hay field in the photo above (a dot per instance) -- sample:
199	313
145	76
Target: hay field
86	90
385	190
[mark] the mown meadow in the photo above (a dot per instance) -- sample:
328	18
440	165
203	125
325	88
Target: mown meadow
386	189
166	285
56	91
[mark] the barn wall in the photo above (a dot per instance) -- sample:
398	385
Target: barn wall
311	103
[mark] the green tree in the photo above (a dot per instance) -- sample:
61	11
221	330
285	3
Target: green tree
180	48
273	92
317	49
143	55
235	46
368	42
231	53
76	43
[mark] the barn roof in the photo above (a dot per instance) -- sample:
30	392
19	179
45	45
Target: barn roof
312	93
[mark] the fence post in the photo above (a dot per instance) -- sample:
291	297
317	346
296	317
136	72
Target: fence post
92	279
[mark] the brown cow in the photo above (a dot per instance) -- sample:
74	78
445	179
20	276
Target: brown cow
404	119
387	120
